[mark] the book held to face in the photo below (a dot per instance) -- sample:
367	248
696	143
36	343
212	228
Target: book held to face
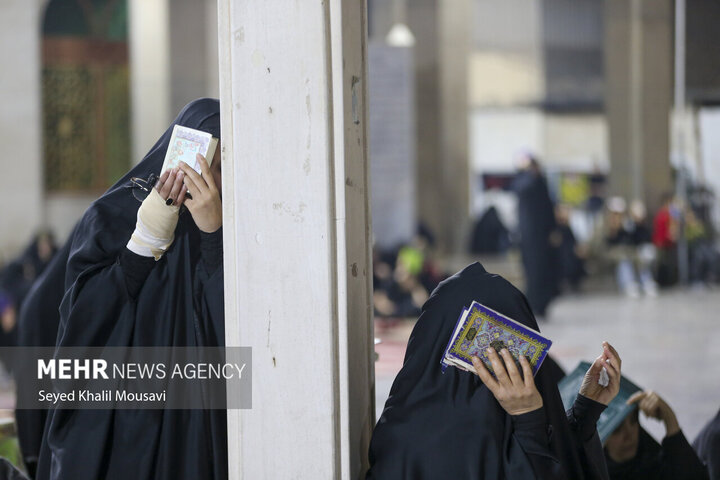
480	327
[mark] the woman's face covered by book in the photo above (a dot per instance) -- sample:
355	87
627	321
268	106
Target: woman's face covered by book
622	444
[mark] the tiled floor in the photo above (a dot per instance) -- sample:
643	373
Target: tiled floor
670	344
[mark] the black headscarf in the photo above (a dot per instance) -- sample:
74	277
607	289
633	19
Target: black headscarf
439	425
179	305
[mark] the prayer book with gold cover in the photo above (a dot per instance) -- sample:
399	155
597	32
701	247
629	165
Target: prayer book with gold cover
480	327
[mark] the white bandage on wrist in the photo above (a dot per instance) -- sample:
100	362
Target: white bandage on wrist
155	227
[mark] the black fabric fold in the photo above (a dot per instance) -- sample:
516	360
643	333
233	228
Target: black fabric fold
136	268
583	416
211	251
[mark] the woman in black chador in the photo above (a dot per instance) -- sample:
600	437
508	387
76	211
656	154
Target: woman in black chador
145	276
458	425
37	327
539	240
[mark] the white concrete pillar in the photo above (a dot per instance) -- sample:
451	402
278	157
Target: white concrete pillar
21	184
638	78
173	60
212	81
150	54
454	17
297	229
193	63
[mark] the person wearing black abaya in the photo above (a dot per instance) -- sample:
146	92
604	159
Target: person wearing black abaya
536	223
707	446
116	296
489	234
632	454
37	327
450	424
17	278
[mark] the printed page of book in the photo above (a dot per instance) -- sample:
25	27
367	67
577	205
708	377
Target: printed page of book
185	143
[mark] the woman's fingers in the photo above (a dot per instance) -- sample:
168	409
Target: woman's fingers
498	367
206	174
181	195
196	184
161	181
612	355
168	184
648	402
176	187
635	397
527	371
596	366
485	376
653	405
512	369
613	373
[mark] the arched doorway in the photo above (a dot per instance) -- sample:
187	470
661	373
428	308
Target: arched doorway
86	98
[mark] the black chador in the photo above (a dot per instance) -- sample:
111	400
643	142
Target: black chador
37	327
536	223
449	425
180	303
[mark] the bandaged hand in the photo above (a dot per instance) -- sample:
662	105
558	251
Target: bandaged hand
157	217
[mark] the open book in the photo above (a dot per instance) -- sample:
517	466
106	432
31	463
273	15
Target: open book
185	143
480	327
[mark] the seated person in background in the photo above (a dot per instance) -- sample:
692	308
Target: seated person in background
398	291
490	236
632	454
707	446
572	266
624	246
644	254
665	233
703	256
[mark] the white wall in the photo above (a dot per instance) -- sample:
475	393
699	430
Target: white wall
505	66
150	95
567	142
499	136
21	189
576	142
709	121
